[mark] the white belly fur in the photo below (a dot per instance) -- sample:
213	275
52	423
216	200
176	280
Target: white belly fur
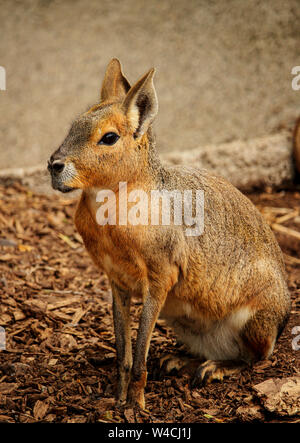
211	340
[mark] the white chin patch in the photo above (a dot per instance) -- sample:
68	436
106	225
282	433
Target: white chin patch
69	173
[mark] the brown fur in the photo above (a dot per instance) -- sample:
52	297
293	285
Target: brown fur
224	292
296	149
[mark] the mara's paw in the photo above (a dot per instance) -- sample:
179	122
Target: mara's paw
135	395
136	400
120	403
168	365
215	370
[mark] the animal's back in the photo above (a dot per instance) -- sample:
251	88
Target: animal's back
234	229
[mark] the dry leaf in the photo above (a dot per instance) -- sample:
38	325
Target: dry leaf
280	395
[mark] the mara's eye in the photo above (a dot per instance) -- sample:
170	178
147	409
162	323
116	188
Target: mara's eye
110	138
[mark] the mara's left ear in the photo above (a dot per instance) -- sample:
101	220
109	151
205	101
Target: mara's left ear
115	84
141	105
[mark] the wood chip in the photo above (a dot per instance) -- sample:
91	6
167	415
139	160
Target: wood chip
8	388
78	315
67	240
287	217
18	314
285	230
61	303
40	409
8	257
291	260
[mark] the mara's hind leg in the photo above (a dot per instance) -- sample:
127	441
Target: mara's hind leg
256	342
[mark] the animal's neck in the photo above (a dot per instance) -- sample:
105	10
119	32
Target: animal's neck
153	170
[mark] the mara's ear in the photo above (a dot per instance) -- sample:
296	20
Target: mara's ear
140	104
115	83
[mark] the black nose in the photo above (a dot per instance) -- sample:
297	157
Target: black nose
56	166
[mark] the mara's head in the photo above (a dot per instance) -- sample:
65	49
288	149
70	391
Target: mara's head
108	143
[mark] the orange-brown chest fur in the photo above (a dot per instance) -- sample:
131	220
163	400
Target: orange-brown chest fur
113	248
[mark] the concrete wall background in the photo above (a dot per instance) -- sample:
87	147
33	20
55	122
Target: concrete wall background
223	67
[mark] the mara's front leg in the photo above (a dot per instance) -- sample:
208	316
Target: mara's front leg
121	314
150	312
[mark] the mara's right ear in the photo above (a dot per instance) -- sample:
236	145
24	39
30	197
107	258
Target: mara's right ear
141	105
115	84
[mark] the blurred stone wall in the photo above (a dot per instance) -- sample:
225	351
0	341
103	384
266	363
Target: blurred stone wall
223	67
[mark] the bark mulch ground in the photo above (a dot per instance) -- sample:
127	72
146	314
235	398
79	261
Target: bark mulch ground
55	310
